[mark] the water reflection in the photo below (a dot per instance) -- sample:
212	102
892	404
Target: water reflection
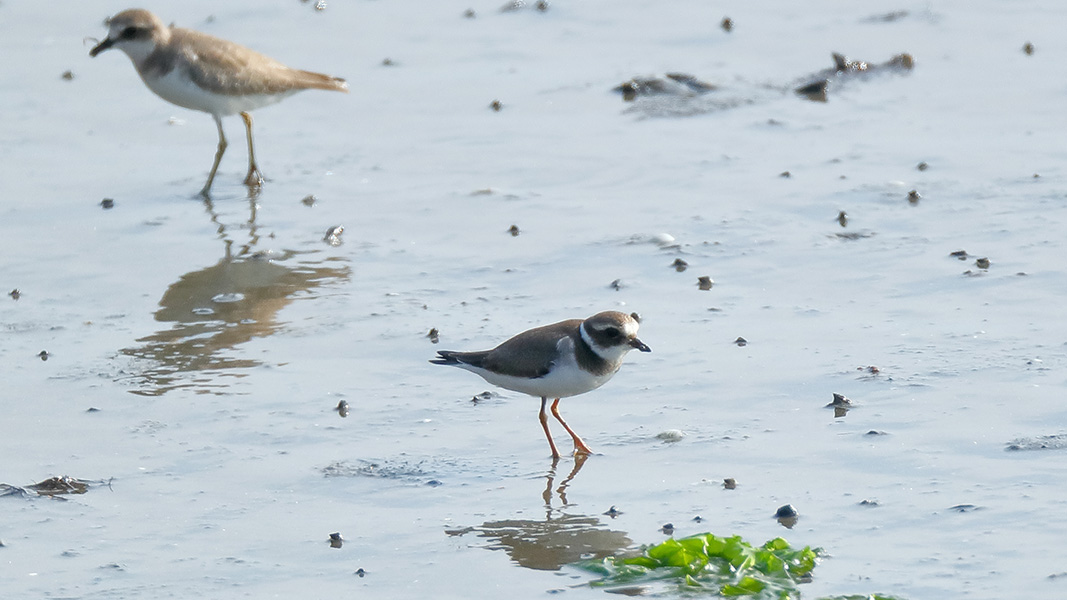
211	311
560	539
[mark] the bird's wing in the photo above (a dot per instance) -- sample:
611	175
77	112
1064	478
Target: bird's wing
242	71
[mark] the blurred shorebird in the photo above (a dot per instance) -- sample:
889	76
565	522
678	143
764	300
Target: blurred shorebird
202	72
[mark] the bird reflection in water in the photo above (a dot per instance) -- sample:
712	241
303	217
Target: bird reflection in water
210	312
560	539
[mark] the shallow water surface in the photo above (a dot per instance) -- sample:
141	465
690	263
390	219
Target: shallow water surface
195	352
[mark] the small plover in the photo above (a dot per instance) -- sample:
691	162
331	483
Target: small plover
556	361
202	72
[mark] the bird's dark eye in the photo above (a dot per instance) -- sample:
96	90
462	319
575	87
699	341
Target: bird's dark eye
129	33
611	332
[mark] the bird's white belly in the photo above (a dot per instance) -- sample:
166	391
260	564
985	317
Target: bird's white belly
176	88
564	380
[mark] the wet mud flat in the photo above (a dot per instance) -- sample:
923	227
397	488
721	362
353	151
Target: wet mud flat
852	303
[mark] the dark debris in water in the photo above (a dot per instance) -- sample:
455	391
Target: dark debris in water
787	516
400	470
483	397
1041	442
854	235
672	84
52	487
817	86
840	400
333	235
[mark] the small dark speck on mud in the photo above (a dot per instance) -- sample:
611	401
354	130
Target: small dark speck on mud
727	24
982	263
333	235
729	483
309	200
922	166
43	355
15	294
964	508
69	75
1037	175
914	196
840	400
842	218
613	512
434	335
342	408
785	174
514	230
786	510
1028	48
616	285
388	62
467	14
787	516
876	432
435	483
107	203
92	409
868	502
740	341
679	265
541	5
960	254
705	283
873	370
496	105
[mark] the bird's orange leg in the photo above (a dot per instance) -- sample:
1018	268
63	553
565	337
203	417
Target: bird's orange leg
579	445
544	425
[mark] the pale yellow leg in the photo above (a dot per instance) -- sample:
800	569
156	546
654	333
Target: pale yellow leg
218	158
254	177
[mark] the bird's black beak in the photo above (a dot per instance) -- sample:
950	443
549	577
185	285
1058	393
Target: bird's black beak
104	45
639	345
